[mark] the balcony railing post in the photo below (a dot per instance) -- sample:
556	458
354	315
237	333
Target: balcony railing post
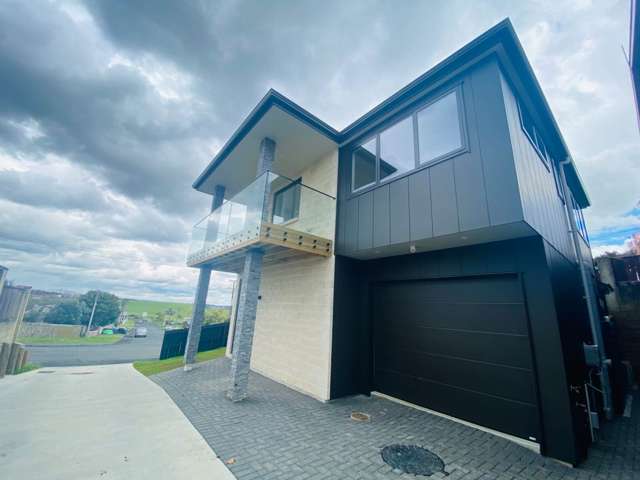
265	164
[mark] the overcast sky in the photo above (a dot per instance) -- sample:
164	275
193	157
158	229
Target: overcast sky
110	109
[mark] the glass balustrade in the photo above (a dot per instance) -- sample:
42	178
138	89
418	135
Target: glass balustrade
269	199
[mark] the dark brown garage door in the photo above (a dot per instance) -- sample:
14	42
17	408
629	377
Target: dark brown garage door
458	346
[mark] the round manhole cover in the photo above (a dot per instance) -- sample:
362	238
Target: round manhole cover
360	416
412	459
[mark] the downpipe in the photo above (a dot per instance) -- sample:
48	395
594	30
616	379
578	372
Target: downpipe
590	298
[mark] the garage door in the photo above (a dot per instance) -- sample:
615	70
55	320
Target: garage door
458	346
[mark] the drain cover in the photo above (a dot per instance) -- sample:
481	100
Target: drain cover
412	459
46	371
360	416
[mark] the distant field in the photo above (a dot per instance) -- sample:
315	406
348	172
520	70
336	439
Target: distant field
138	307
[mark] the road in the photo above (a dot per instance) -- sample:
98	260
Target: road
102	422
125	351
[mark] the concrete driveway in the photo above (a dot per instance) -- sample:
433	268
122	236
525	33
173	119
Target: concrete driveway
102	422
125	351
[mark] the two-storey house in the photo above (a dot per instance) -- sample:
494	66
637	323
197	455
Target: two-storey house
434	251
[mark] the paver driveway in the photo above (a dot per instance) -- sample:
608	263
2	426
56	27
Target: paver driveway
102	422
278	433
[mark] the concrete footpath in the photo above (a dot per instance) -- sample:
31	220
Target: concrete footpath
99	422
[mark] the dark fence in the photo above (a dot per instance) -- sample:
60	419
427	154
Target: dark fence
212	336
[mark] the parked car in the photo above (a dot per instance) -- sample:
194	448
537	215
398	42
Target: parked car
141	332
107	331
121	331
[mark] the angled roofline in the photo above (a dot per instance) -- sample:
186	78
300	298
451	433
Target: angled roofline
272	98
502	34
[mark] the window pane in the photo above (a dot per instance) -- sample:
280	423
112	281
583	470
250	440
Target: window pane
364	164
286	204
439	128
396	149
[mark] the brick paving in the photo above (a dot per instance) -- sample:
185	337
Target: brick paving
277	433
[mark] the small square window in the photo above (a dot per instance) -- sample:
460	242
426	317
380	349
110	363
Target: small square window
286	203
364	164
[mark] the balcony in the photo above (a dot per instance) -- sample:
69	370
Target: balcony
282	216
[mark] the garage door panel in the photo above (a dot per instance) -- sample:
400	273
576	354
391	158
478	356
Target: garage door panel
516	418
496	289
505	349
459	346
503	381
507	318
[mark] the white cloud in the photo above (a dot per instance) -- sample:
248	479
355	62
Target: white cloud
611	248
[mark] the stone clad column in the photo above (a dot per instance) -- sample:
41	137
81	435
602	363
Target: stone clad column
200	301
248	300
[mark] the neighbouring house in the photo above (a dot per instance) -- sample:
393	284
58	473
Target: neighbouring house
622	274
433	251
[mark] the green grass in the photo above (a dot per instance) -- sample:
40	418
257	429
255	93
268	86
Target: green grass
151	367
138	307
27	368
97	340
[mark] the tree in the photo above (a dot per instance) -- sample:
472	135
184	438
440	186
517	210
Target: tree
65	312
216	315
107	308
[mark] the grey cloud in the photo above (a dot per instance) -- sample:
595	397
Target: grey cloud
40	190
94	87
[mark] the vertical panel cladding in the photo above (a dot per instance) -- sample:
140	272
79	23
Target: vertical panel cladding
573	321
473	210
365	221
444	203
421	225
351	226
474	189
381	219
560	435
543	208
503	198
399	211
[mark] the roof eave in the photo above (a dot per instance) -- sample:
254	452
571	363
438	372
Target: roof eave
271	98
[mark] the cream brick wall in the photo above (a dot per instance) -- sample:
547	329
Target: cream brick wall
292	340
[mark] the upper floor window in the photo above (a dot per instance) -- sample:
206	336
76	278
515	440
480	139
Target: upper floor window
286	203
439	128
579	218
533	134
435	130
364	164
557	178
397	154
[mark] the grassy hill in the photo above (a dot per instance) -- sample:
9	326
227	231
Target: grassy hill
138	307
166	314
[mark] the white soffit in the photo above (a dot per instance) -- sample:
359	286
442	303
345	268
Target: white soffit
298	145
